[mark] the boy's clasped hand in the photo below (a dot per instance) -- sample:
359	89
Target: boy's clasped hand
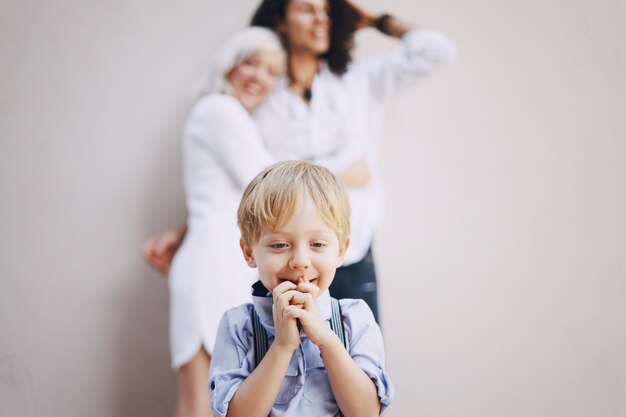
295	303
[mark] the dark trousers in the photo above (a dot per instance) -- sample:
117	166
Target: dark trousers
357	281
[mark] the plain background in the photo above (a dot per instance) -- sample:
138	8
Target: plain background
502	255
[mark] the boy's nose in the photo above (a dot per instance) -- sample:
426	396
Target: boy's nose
299	263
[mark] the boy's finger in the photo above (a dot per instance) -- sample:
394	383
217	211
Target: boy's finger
281	288
307	287
304	299
293	312
284	299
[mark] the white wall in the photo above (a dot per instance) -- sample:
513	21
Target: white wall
502	255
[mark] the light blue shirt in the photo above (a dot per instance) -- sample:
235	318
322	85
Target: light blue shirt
306	389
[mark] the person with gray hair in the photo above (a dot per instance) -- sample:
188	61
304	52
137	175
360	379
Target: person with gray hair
235	50
222	152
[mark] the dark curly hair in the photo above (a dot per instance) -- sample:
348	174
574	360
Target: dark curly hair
343	19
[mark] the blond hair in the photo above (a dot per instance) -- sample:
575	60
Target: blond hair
271	199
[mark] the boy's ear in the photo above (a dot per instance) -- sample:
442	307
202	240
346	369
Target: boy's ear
342	252
247	253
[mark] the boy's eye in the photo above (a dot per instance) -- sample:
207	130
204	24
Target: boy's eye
278	245
318	244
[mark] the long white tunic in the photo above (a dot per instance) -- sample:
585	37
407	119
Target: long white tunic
222	152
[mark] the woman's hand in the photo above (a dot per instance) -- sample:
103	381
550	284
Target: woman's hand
364	19
392	26
159	250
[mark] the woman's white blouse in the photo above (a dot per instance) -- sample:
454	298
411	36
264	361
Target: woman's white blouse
222	152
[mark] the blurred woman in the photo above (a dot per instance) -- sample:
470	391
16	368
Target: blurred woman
222	152
330	108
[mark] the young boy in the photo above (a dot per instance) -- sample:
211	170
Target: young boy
295	219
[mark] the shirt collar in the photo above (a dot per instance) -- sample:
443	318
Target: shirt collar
282	84
262	301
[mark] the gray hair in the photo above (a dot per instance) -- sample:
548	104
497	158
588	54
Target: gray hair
236	49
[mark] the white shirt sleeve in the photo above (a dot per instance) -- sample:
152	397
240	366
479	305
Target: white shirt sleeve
423	51
220	124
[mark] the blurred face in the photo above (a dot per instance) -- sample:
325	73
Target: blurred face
306	249
306	26
255	76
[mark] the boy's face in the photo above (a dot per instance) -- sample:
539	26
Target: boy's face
306	249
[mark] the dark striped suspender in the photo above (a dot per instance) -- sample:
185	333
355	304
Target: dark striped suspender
336	321
261	339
